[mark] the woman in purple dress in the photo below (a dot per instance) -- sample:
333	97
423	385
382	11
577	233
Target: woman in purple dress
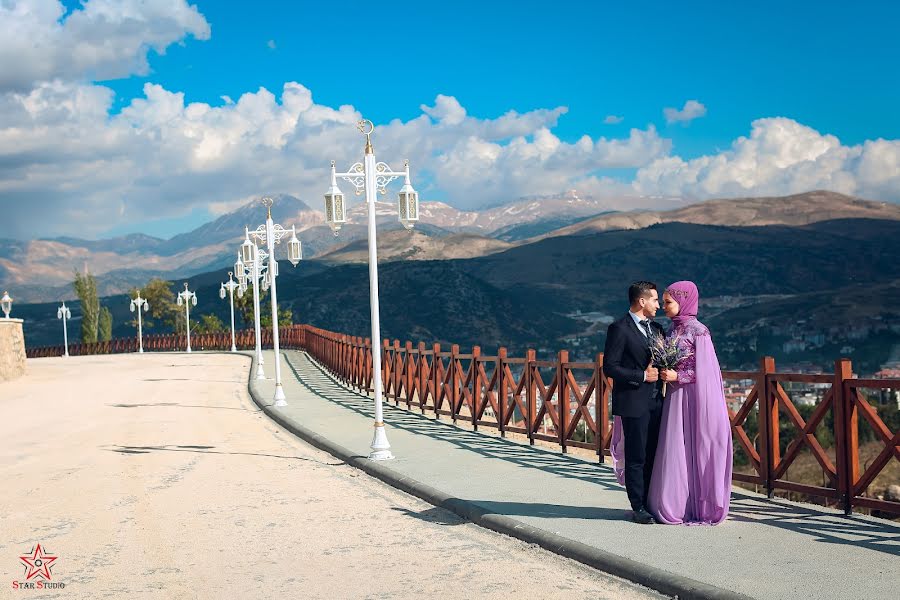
691	482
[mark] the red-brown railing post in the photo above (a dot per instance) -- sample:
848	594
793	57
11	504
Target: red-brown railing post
397	372
476	384
454	392
562	396
770	451
409	374
845	435
385	364
422	383
530	393
436	381
501	390
601	411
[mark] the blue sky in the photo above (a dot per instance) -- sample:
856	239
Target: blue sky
830	65
827	69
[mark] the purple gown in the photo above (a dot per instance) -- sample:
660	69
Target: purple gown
691	482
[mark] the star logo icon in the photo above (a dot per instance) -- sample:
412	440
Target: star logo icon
38	564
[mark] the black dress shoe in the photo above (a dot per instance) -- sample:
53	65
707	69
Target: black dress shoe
643	517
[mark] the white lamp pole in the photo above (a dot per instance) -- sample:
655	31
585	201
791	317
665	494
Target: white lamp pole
271	234
138	304
371	177
250	263
231	285
187	298
65	314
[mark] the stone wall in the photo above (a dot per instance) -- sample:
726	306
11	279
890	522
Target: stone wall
12	349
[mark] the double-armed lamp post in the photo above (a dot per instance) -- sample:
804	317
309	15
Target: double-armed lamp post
65	314
187	298
251	270
268	235
371	177
137	305
230	286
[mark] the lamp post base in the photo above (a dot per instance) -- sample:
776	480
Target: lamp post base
233	349
381	449
189	349
141	351
260	374
279	396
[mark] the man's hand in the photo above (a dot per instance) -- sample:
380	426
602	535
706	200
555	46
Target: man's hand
651	374
669	376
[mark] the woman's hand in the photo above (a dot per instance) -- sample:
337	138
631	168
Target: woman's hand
668	375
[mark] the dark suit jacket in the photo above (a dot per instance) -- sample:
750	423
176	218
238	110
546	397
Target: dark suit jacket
625	357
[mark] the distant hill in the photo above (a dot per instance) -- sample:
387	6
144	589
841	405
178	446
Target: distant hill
41	270
586	272
795	210
415	245
842	273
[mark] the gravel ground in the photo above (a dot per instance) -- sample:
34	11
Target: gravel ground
155	476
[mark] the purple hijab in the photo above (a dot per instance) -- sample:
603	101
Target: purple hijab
688	298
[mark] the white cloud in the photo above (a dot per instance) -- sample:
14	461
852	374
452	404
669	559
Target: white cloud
161	156
271	44
104	39
692	110
780	157
68	166
613	119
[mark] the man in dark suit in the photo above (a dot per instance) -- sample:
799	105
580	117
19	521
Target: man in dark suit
636	396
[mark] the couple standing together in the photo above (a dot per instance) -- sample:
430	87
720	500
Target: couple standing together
672	450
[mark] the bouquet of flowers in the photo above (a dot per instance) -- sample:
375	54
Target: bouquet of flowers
667	353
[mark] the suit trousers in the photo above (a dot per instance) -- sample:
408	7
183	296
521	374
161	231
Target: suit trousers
641	436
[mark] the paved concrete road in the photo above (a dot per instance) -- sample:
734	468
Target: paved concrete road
155	476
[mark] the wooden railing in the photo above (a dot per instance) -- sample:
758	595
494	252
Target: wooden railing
568	403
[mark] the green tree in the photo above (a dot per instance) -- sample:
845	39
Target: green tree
104	325
208	324
163	309
243	306
86	289
285	317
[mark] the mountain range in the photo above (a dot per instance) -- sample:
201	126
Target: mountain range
41	270
832	271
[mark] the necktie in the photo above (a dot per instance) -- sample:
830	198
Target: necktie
645	324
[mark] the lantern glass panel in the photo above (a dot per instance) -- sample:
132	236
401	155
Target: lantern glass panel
413	208
402	206
294	251
248	252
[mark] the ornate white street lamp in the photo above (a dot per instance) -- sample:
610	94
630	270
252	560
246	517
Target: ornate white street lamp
372	177
137	305
252	272
270	234
231	285
187	298
6	304
65	314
